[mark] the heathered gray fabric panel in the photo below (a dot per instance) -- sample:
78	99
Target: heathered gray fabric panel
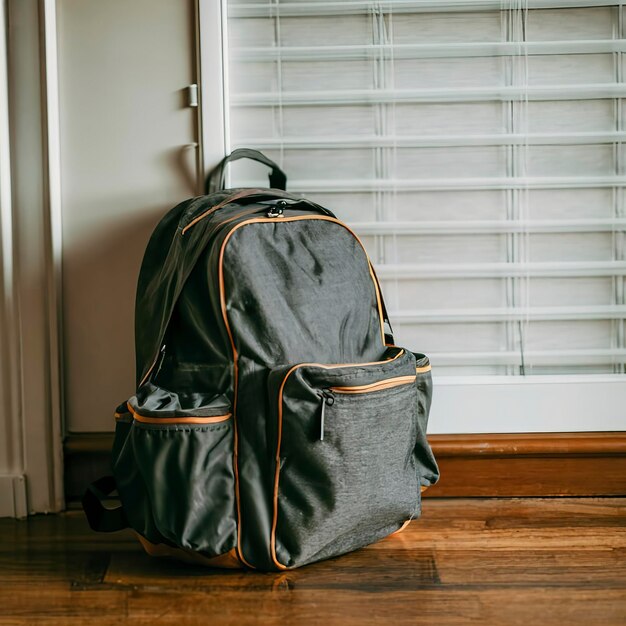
300	291
344	491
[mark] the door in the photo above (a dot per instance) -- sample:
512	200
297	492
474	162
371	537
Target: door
128	146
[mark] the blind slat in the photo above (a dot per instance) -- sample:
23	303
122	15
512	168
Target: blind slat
559	313
352	7
427	51
472	94
499	270
454	227
303	142
443	184
537	357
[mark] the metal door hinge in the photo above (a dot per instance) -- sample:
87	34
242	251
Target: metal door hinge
192	95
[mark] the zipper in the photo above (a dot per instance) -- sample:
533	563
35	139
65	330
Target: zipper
214	419
327	396
161	359
382	384
219	205
277	210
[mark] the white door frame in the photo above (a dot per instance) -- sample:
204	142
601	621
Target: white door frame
31	434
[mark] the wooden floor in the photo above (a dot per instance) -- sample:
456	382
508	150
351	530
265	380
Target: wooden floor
482	561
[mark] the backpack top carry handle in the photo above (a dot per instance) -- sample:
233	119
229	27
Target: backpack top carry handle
217	176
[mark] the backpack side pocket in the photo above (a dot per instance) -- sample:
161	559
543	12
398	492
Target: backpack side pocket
175	476
424	458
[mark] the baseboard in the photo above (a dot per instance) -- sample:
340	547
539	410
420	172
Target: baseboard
527	464
531	464
13	502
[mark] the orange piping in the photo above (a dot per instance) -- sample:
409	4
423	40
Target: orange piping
382	384
395	532
280	434
235	389
236	196
234	349
183	420
422	370
214	419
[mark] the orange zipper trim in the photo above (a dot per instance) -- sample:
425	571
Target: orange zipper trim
404	525
213	419
421	370
382	384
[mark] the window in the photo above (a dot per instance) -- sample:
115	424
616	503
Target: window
476	147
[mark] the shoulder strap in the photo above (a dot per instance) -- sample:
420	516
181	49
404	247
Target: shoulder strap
101	518
388	330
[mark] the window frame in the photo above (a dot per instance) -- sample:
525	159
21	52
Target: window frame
462	404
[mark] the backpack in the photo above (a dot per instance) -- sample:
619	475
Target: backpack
275	422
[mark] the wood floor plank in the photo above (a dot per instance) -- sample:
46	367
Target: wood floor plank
549	607
347	572
488	561
589	568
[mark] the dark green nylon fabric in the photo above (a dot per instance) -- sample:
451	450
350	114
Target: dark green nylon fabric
169	259
294	292
177	485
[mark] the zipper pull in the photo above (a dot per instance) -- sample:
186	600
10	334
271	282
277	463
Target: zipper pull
278	209
327	399
161	358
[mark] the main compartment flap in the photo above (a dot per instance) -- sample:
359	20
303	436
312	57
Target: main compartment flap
299	288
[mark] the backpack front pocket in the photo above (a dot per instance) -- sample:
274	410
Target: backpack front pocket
344	471
175	475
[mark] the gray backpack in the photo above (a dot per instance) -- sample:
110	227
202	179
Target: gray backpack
275	423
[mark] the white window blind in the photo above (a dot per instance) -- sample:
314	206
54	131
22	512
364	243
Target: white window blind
478	150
